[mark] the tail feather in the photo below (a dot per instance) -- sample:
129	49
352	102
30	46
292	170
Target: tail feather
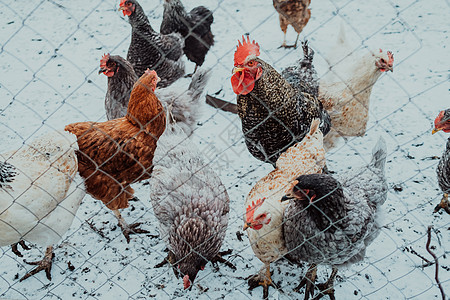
184	109
379	154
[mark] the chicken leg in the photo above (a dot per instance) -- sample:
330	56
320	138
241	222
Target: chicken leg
16	251
128	229
308	281
289	46
443	204
327	288
264	279
44	264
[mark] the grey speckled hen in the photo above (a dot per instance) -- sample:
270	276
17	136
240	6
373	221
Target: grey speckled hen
331	220
150	49
190	203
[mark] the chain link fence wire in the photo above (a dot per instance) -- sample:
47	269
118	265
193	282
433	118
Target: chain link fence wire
49	54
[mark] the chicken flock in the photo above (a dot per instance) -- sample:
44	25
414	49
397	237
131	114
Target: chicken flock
300	210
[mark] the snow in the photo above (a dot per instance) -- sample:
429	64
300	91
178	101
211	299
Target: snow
50	52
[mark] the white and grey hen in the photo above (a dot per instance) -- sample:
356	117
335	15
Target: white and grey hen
189	201
40	192
331	220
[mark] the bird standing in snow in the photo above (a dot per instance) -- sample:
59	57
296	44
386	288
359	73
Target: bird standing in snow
345	91
263	209
150	49
40	192
442	122
332	219
194	26
189	200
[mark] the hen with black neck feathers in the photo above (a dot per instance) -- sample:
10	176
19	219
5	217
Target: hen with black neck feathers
331	220
150	49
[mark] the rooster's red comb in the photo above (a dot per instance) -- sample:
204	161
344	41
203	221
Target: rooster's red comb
251	209
245	49
104	60
391	58
122	2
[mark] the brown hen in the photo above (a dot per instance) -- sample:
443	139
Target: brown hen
116	153
295	13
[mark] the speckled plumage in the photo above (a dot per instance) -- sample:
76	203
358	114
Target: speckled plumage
443	169
194	26
150	49
293	12
275	115
119	88
341	221
189	201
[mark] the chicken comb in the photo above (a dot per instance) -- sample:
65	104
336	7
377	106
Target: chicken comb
104	60
122	2
251	209
391	58
151	73
244	50
439	118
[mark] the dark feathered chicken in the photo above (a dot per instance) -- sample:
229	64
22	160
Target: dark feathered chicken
121	78
194	26
150	49
332	220
274	114
442	122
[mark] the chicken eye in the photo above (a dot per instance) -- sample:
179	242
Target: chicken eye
383	61
251	63
261	216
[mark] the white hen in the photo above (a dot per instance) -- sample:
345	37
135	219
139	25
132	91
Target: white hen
345	91
40	192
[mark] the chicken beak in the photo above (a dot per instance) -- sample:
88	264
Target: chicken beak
391	68
101	70
246	226
237	69
121	8
435	130
286	198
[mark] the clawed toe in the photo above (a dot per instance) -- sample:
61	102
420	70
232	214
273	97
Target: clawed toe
127	230
44	264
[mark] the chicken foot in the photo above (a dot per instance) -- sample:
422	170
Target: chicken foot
443	204
289	46
219	258
15	249
308	281
264	279
44	264
327	288
170	259
128	229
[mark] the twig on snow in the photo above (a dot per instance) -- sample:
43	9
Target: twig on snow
436	272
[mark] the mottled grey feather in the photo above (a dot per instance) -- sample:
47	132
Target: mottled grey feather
443	170
340	223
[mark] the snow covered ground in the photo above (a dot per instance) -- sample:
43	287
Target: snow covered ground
49	57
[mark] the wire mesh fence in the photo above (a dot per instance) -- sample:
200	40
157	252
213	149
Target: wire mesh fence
50	54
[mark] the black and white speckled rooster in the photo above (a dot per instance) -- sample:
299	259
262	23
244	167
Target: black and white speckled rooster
184	105
150	49
442	122
40	192
332	219
194	26
275	114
